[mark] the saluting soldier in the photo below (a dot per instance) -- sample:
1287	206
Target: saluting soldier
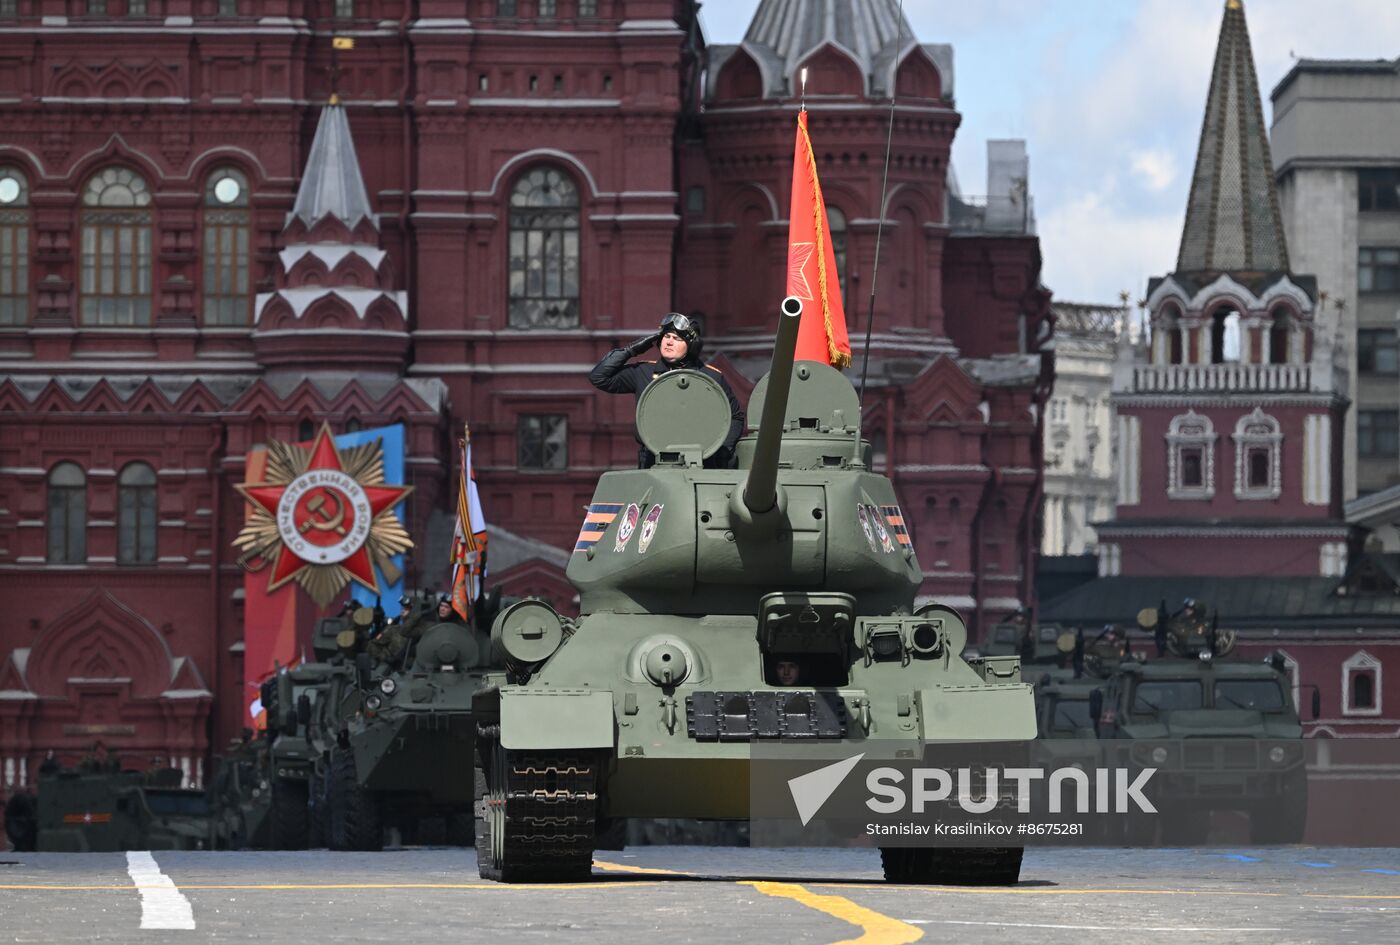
680	346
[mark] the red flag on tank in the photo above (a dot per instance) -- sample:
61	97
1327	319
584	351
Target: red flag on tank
812	274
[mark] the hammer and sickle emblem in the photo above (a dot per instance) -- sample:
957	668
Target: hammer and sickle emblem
315	518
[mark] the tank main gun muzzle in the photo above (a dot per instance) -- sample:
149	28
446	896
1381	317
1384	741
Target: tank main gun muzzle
760	489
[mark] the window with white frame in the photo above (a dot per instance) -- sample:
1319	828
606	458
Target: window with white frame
1190	457
1258	445
1361	685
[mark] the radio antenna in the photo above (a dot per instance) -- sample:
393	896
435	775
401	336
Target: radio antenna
880	223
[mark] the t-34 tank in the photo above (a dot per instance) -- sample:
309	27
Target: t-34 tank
698	586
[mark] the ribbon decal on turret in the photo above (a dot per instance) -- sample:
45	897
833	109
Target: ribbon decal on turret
600	516
895	517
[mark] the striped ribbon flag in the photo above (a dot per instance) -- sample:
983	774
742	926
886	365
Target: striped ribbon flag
469	535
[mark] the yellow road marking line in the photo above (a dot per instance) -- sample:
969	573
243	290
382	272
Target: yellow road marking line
502	886
982	890
628	868
876	928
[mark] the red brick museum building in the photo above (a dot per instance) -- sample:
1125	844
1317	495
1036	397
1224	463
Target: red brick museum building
199	254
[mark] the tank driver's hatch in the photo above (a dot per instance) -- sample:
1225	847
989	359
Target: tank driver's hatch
683	417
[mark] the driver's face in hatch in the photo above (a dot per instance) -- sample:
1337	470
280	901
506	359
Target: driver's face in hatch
673	346
787	672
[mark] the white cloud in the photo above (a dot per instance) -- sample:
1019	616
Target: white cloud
1156	168
1095	247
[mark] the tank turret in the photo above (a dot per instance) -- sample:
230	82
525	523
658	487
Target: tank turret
801	513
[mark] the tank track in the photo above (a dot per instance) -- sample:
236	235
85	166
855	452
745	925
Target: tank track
952	866
537	812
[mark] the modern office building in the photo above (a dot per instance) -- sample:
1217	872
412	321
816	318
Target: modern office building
1336	148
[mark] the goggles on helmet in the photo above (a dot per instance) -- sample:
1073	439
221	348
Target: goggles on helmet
677	322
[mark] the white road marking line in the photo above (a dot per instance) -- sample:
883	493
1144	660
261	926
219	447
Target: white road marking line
162	904
1092	928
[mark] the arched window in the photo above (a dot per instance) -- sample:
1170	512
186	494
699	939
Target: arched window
1258	443
136	514
67	514
1278	338
1361	685
544	270
226	238
837	221
1190	457
1171	348
116	250
1225	337
14	247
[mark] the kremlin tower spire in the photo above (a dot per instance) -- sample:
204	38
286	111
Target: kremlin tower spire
1226	413
334	300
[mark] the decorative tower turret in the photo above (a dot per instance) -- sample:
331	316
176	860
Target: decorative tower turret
334	302
1227	408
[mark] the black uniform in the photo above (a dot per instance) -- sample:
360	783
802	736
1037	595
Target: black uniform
614	375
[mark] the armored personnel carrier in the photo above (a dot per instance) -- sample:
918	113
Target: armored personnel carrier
404	753
1222	732
720	608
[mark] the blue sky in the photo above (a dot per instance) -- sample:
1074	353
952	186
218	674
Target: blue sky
1109	96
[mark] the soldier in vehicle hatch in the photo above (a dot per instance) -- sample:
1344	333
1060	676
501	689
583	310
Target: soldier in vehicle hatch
680	347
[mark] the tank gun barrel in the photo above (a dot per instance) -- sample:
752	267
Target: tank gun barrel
760	487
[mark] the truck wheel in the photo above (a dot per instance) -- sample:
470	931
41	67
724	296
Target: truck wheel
21	823
289	814
952	866
354	812
317	828
1283	821
461	829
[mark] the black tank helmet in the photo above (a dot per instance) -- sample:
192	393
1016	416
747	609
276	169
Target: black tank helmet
687	327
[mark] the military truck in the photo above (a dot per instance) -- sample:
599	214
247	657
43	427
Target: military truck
1222	732
721	608
403	756
99	809
299	734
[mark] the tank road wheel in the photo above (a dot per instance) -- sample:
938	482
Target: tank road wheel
354	812
952	866
536	812
289	815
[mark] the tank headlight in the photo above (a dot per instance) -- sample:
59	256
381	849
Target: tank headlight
1205	656
388	686
887	645
373	702
1276	754
926	639
1159	755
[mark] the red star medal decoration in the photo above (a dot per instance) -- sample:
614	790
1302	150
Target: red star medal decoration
327	516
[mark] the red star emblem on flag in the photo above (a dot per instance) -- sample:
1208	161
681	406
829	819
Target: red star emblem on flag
798	256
